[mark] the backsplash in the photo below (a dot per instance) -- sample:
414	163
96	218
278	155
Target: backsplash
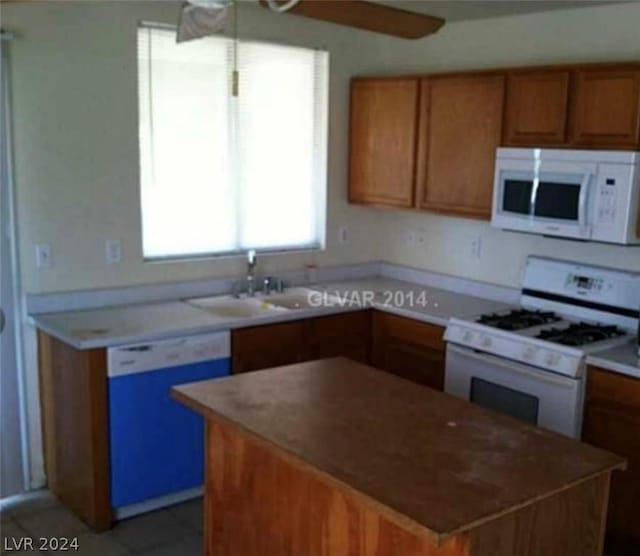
473	249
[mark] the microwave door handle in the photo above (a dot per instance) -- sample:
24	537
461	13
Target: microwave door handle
582	202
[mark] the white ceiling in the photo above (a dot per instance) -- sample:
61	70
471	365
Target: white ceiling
459	10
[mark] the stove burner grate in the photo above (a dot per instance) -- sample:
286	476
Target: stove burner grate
580	334
518	319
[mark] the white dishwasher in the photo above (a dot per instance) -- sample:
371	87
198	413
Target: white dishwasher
156	444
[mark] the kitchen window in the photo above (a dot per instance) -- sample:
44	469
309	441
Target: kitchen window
221	174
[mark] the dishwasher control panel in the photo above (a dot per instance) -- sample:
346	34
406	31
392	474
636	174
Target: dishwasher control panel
138	358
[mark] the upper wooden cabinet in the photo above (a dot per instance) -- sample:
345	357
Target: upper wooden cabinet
536	107
383	136
605	110
430	142
460	129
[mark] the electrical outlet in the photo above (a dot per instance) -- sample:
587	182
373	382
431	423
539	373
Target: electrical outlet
343	235
410	238
44	255
113	251
476	247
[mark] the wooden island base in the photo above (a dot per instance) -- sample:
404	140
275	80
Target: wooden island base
262	503
334	458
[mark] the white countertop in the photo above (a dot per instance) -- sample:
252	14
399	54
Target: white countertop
129	324
621	359
137	323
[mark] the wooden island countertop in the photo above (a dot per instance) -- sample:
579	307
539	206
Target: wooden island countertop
336	436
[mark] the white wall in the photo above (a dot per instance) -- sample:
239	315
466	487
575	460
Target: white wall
75	117
74	108
608	33
76	159
76	151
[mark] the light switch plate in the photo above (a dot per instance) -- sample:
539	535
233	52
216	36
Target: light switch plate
343	235
44	255
113	251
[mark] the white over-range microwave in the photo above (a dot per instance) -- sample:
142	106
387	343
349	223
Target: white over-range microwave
578	194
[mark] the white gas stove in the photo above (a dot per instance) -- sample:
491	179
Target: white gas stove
529	361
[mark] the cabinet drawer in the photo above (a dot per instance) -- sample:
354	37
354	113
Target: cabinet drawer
416	332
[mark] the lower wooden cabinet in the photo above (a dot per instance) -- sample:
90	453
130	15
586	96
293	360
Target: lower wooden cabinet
410	349
75	428
347	335
612	422
405	347
272	345
262	347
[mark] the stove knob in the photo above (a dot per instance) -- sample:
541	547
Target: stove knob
486	341
467	336
528	353
552	359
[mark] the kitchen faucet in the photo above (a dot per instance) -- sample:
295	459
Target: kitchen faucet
252	260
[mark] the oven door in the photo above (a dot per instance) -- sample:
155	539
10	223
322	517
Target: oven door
543	197
527	393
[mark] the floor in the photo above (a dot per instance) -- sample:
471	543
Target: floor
174	531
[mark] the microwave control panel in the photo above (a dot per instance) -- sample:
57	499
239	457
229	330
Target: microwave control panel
607	201
613	200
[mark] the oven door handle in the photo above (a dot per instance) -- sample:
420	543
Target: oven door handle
540	375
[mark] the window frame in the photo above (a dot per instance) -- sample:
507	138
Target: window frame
320	245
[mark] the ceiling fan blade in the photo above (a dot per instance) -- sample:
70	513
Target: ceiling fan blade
196	21
371	16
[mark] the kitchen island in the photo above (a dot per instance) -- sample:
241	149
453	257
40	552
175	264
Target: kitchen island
334	458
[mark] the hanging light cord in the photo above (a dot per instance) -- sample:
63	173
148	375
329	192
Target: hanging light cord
235	77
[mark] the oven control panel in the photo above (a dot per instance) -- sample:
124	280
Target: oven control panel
529	351
585	283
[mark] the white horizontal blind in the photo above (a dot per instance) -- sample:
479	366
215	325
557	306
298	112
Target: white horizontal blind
221	174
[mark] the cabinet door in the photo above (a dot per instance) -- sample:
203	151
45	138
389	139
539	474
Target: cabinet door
409	349
383	136
262	347
536	108
461	127
612	422
346	335
606	108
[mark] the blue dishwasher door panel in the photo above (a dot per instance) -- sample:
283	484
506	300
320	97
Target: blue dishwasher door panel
156	442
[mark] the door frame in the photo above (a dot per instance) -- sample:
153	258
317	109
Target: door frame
15	319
